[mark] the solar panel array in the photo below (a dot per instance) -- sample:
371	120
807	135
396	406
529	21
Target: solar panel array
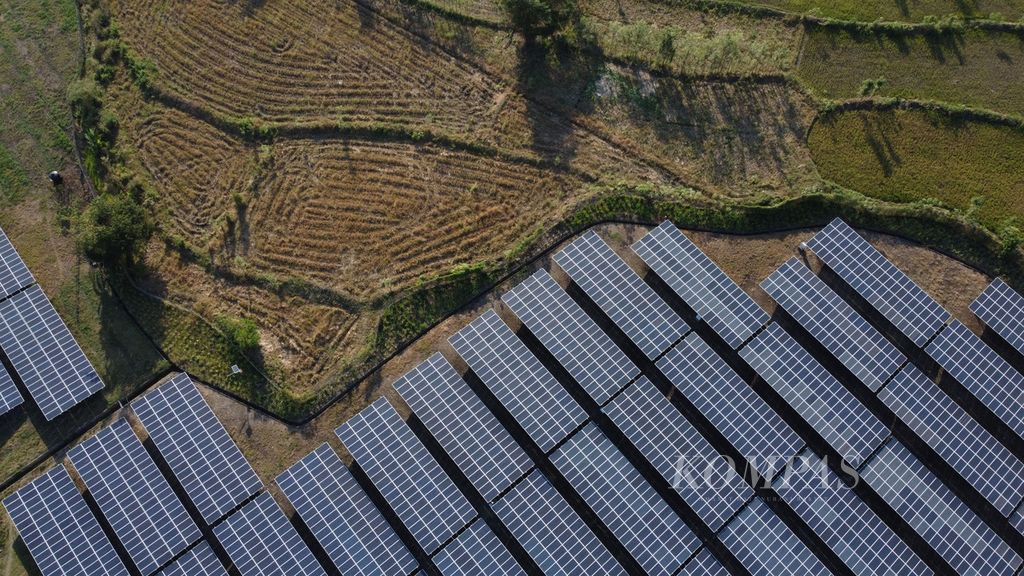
44	353
732	407
1001	308
551	532
878	281
946	523
14	274
630	303
199	561
1017	519
572	337
134	497
59	530
704	564
518	380
763	543
816	395
197	448
477	551
464	427
637	516
10	397
261	541
834	323
342	518
963	443
412	482
730	311
678	452
985	374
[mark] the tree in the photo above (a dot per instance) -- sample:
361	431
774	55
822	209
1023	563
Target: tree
114	230
540	17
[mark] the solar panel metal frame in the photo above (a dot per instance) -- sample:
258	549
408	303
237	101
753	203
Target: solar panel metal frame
835	413
183	428
835	324
551	532
463	426
730	404
704	563
352	531
763	543
427	501
14	274
199	561
646	319
10	396
133	495
715	297
44	354
573	338
518	380
879	281
936	514
477	551
59	530
261	541
1001	308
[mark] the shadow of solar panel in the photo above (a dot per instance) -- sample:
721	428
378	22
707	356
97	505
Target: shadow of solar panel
199	561
1001	308
342	517
704	564
945	523
10	397
816	395
134	497
630	303
477	551
14	275
484	451
730	311
44	354
878	281
59	530
261	541
197	448
413	483
518	380
834	323
765	545
964	444
551	532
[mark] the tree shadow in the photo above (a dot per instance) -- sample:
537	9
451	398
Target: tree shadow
877	129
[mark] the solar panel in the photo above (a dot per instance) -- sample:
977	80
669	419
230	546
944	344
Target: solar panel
963	443
1001	308
704	564
631	304
946	523
765	545
476	551
464	427
518	379
552	533
984	373
197	448
637	516
261	541
834	323
59	530
412	482
342	517
572	337
679	453
730	311
1017	519
843	521
878	281
44	353
199	561
815	394
10	397
732	407
134	497
14	275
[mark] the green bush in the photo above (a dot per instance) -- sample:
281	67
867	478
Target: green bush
541	17
114	229
242	333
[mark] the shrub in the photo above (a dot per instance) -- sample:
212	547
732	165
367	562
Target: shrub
114	230
542	17
242	333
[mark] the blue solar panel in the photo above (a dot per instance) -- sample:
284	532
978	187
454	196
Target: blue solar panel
572	337
984	373
679	453
815	394
14	275
765	545
704	564
261	541
631	304
199	561
412	482
834	323
1001	308
945	523
730	311
732	407
1017	520
642	521
10	397
963	443
477	551
878	281
342	518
